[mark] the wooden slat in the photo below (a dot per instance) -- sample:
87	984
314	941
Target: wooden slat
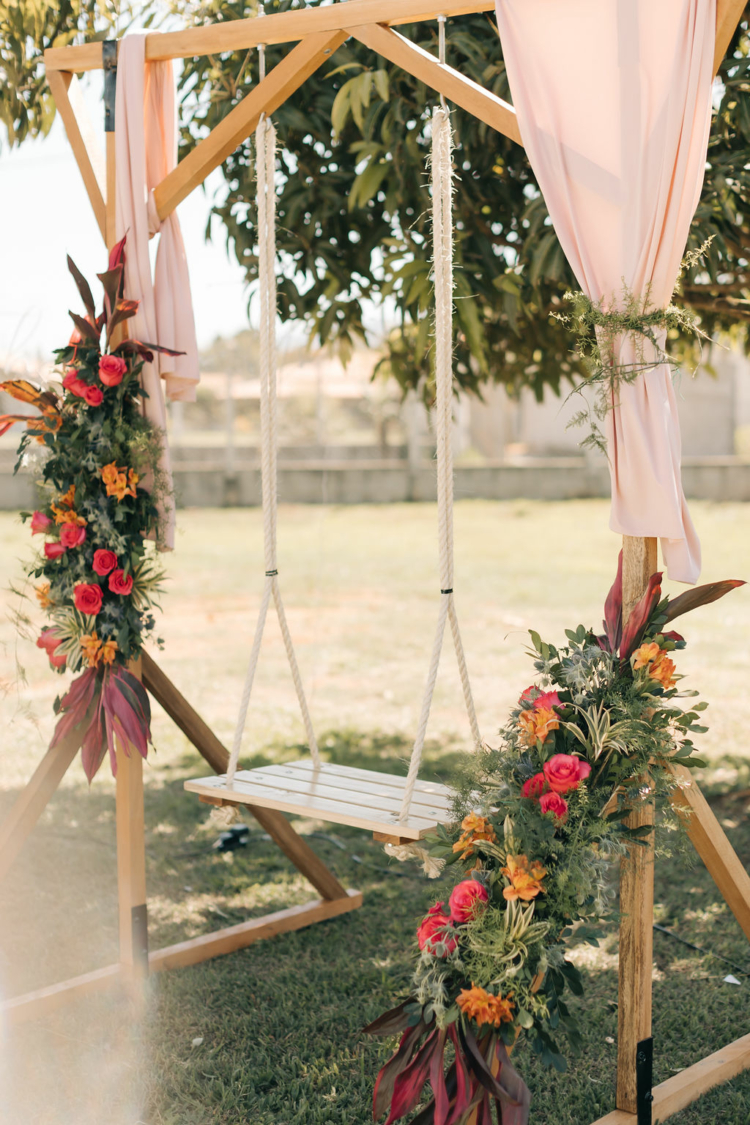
683	1088
444	79
712	845
728	15
396	781
376	785
636	881
237	126
321	808
237	937
66	90
314	786
283	27
32	1005
33	799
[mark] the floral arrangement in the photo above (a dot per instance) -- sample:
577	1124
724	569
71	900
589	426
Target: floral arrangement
97	578
537	823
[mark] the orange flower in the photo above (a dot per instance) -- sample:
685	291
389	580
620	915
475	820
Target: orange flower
133	479
484	1008
474	827
92	649
42	593
525	878
109	649
663	671
110	473
537	723
645	654
119	482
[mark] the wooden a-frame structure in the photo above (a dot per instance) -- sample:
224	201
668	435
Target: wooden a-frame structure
317	33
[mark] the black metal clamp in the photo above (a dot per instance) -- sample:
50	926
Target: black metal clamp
644	1080
109	62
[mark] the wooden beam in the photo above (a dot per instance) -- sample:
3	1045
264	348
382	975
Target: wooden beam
281	27
66	91
444	79
636	881
237	126
33	799
713	847
33	1005
183	715
683	1088
238	937
131	857
728	15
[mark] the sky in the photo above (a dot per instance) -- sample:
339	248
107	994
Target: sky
45	214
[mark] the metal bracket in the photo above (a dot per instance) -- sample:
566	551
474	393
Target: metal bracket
109	62
139	931
644	1080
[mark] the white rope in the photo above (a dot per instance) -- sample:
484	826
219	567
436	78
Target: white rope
442	237
265	138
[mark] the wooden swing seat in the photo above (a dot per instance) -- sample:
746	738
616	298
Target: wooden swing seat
360	798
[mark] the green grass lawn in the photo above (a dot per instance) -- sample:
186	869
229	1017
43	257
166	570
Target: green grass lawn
270	1035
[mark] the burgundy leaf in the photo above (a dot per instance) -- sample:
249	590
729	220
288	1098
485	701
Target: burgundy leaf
672	636
700	595
138	690
125	309
111	285
85	327
399	1060
437	1081
465	1088
639	616
83	289
613	611
478	1064
390	1022
159	348
94	745
409	1084
125	721
111	744
484	1112
74	705
117	253
517	1113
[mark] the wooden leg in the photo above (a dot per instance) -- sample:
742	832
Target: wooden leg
636	883
131	860
33	800
713	847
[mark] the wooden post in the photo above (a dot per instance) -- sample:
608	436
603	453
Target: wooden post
639	562
131	859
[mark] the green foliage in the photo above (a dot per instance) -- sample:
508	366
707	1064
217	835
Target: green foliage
353	197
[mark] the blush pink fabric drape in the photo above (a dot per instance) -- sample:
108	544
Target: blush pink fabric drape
145	151
614	106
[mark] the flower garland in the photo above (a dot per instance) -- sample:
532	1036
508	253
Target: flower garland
98	577
599	325
538	822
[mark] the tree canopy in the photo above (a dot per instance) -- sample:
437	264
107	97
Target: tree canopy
353	224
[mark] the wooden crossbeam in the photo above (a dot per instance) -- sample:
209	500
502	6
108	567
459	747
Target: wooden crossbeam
281	27
728	15
237	126
483	104
66	90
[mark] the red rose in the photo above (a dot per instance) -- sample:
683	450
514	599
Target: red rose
54	550
119	584
466	898
432	931
111	370
39	523
104	561
94	396
564	772
72	383
554	803
88	598
539	700
71	535
535	786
